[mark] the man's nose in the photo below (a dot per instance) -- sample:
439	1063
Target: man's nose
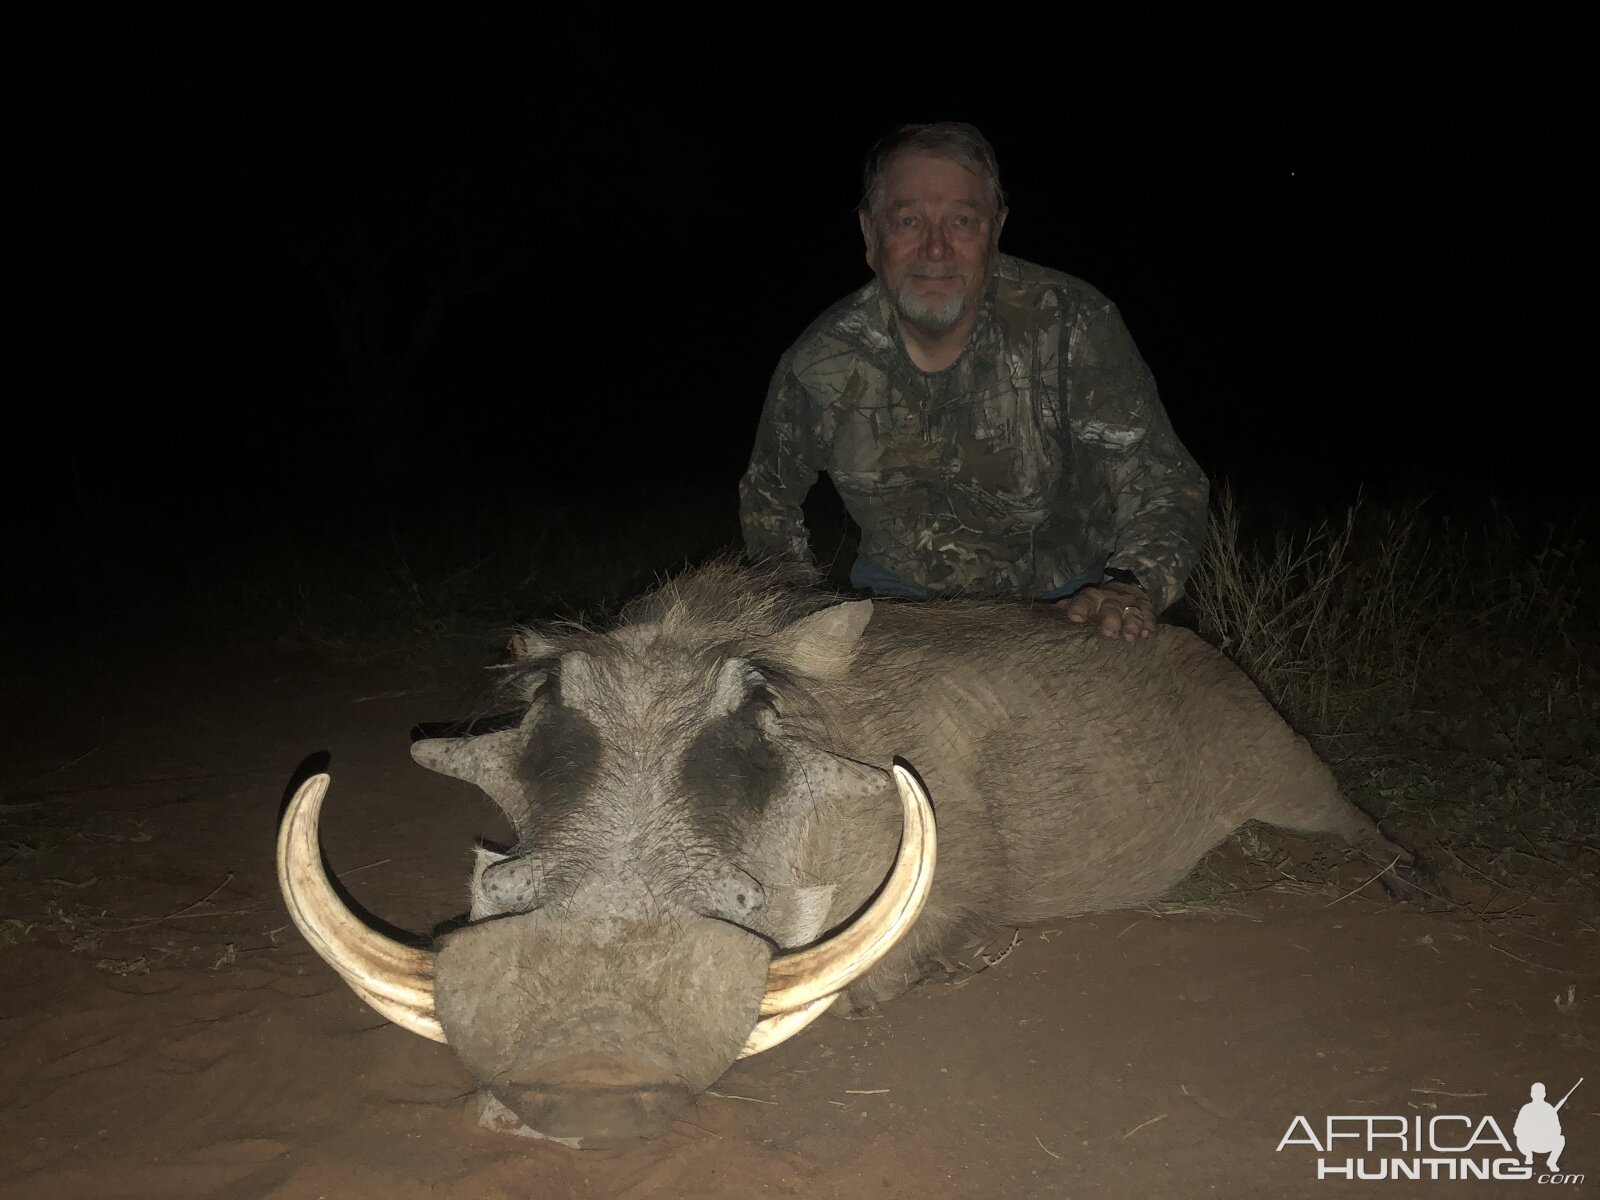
937	243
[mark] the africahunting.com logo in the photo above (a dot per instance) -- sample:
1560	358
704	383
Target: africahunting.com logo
1443	1146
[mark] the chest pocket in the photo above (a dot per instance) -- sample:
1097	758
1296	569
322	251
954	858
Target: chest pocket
955	444
884	445
1010	453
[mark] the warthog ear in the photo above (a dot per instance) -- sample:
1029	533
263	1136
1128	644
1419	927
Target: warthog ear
530	643
735	679
823	644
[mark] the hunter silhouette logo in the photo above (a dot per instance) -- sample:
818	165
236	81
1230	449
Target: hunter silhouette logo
1538	1127
1440	1146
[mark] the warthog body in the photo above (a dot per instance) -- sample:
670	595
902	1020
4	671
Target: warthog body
706	785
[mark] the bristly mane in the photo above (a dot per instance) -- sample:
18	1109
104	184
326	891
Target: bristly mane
725	599
719	610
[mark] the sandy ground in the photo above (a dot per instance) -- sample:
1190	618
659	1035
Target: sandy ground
166	1033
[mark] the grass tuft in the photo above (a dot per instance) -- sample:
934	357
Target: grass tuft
1447	668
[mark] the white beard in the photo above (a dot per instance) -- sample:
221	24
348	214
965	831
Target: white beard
929	316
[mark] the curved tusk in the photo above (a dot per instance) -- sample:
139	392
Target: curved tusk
774	1030
395	979
806	977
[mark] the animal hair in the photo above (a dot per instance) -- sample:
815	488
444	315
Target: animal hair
723	609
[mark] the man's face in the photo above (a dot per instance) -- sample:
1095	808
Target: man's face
929	238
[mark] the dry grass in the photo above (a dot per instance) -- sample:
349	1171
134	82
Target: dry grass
66	867
1308	614
1447	668
1379	599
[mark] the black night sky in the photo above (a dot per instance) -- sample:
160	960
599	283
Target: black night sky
1355	254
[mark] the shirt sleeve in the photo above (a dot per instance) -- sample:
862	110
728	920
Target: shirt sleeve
783	466
1157	492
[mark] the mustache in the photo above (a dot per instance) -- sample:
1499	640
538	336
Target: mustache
929	271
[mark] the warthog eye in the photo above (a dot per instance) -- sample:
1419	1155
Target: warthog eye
732	768
561	760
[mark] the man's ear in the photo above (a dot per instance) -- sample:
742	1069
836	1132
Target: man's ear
869	237
1000	222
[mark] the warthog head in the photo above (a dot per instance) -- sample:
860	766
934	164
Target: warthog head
677	797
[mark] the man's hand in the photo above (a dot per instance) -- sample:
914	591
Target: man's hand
1121	609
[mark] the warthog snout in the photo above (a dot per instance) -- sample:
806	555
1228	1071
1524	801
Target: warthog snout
591	1096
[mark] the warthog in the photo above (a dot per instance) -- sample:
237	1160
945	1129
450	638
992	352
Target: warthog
714	842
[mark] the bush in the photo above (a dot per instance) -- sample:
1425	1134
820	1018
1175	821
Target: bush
1447	667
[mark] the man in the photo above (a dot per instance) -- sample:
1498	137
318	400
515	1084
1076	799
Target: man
1538	1127
988	423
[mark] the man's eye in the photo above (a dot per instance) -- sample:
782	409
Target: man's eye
907	222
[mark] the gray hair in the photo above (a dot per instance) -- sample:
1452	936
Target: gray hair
955	140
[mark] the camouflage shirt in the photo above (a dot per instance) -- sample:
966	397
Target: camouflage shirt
1040	452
